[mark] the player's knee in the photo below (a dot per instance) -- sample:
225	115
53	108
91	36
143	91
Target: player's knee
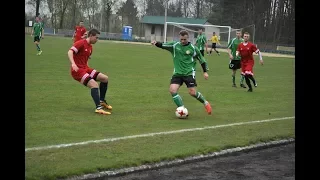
103	78
192	91
173	90
91	83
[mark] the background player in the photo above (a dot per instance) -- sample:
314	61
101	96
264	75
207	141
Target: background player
245	50
234	63
79	32
184	68
201	42
37	33
78	55
214	40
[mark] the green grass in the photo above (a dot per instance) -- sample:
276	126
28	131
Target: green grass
60	110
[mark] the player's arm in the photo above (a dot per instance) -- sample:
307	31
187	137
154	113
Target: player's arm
167	46
32	29
74	33
257	51
84	33
217	39
42	32
229	49
74	50
238	51
202	60
206	43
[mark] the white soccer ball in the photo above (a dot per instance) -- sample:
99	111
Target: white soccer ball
182	112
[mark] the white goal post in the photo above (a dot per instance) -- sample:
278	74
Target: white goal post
172	29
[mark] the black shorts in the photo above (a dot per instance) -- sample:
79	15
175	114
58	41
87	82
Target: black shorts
190	81
202	52
36	39
214	45
235	64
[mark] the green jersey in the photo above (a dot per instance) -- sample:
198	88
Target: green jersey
184	58
233	45
37	28
201	41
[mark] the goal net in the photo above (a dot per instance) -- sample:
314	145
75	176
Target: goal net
173	29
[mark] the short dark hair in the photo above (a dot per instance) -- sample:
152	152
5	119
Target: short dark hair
183	33
80	21
93	32
246	33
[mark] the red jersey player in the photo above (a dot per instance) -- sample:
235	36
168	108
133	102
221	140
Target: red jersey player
245	50
79	55
79	32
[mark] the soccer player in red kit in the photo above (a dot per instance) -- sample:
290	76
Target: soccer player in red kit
79	55
79	32
245	50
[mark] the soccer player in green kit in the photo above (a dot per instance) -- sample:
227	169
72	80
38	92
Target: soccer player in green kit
37	32
184	56
201	42
234	63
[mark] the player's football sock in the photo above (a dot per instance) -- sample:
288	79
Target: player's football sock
95	96
103	90
177	99
233	79
38	47
199	97
248	82
241	79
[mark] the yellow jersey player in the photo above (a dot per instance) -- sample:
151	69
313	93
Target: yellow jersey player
214	40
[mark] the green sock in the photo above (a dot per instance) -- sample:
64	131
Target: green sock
177	99
200	98
233	79
241	79
38	47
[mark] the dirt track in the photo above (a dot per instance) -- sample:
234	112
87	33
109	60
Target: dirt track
276	163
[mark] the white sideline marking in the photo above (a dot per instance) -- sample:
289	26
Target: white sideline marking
153	134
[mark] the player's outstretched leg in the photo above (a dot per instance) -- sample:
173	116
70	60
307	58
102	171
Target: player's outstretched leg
200	98
253	80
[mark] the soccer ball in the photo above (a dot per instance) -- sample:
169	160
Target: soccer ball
182	112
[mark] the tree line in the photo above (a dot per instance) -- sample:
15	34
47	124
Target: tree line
274	20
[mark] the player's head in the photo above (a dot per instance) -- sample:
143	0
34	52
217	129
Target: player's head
184	37
37	19
93	36
200	31
214	33
238	34
246	36
80	23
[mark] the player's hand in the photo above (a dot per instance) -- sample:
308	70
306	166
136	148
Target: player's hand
153	42
75	67
31	35
261	62
205	75
230	56
42	37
